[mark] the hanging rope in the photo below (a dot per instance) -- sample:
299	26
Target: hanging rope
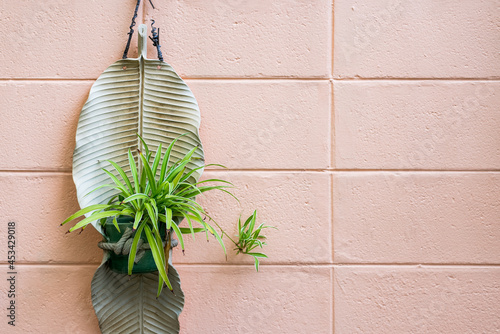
131	32
156	40
132	25
123	246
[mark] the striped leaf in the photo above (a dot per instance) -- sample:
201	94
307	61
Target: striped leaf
133	96
128	304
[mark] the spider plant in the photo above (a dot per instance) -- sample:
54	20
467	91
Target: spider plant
155	195
249	238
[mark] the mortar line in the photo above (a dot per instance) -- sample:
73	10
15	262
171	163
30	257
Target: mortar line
331	166
332	39
276	78
187	78
413	170
277	170
282	265
416	79
332	300
333	139
415	264
47	79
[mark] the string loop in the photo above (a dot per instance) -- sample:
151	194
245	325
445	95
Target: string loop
132	25
156	39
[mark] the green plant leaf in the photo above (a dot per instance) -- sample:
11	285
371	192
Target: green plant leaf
157	159
253	217
258	255
186	230
200	190
179	166
249	238
168	218
84	211
156	251
115	222
138	216
126	211
178	233
191	229
134	171
135	197
149	173
119	185
94	217
219	239
256	260
133	248
175	182
123	175
145	147
153	216
166	158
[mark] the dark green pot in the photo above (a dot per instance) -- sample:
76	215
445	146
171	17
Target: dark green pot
119	263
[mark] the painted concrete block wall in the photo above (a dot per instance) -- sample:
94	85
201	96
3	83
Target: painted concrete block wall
366	131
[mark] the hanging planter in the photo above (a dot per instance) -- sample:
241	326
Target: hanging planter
155	198
116	243
136	165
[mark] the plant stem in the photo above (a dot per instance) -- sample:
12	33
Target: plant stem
227	235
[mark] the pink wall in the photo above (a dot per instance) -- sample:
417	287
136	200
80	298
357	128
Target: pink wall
367	131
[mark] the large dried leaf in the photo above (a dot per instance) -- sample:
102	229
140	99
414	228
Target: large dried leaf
126	304
146	98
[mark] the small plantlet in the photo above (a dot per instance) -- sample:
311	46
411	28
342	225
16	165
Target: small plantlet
249	238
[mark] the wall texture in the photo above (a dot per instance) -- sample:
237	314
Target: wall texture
366	131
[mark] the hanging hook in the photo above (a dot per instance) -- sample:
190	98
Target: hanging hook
131	32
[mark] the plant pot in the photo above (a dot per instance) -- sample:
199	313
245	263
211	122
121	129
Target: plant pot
119	263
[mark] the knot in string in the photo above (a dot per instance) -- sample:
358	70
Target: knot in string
124	245
156	40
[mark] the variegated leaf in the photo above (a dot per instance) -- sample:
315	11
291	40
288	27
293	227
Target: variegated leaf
126	304
133	96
